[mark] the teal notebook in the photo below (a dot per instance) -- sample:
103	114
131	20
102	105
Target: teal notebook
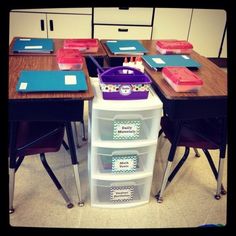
158	61
33	45
129	47
51	81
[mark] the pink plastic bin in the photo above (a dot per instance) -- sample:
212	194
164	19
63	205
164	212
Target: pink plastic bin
181	79
83	45
69	59
173	46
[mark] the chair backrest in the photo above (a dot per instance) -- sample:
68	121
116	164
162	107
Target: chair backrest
43	136
201	133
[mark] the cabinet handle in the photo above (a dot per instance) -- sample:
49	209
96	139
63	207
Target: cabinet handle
42	25
123	30
51	25
123	8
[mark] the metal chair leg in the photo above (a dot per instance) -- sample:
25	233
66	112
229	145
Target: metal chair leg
196	152
83	130
55	180
75	132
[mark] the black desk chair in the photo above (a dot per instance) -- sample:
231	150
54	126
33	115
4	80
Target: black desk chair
37	138
205	134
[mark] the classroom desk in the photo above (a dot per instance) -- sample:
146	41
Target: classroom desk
59	106
210	101
117	60
100	55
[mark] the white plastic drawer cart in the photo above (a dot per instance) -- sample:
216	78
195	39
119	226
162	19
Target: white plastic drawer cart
122	148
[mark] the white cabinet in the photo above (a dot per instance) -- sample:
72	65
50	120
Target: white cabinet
51	23
69	26
206	31
122	149
123	23
124	16
122	32
171	23
27	25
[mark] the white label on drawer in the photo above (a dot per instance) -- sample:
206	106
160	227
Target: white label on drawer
127	48
120	194
123	164
70	79
185	57
126	129
24	39
158	60
34	47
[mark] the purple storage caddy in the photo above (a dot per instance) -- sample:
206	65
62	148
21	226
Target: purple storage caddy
123	83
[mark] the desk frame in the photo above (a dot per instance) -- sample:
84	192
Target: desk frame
66	107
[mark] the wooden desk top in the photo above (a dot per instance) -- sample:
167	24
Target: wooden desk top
19	63
214	79
58	43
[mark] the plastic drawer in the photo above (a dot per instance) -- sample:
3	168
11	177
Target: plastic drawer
123	125
118	194
124	161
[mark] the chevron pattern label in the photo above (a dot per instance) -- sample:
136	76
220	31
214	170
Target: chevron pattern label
126	129
124	164
121	194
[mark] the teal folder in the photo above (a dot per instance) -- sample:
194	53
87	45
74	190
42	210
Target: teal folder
158	61
129	47
51	81
33	45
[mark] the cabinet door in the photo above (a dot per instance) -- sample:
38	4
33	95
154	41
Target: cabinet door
122	32
69	26
171	23
27	25
206	31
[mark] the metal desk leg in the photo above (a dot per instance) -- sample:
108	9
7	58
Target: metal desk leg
169	163
13	152
221	162
74	160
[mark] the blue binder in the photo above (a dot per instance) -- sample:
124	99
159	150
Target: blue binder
129	47
51	81
33	45
158	61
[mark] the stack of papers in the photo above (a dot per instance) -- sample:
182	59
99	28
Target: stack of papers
127	47
51	81
33	45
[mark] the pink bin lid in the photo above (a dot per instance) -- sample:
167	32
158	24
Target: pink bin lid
174	44
80	42
69	56
181	75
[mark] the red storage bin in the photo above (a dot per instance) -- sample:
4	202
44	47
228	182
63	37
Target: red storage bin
173	46
181	79
83	45
69	59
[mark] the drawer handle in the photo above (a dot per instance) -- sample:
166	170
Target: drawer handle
42	25
123	30
51	25
123	8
